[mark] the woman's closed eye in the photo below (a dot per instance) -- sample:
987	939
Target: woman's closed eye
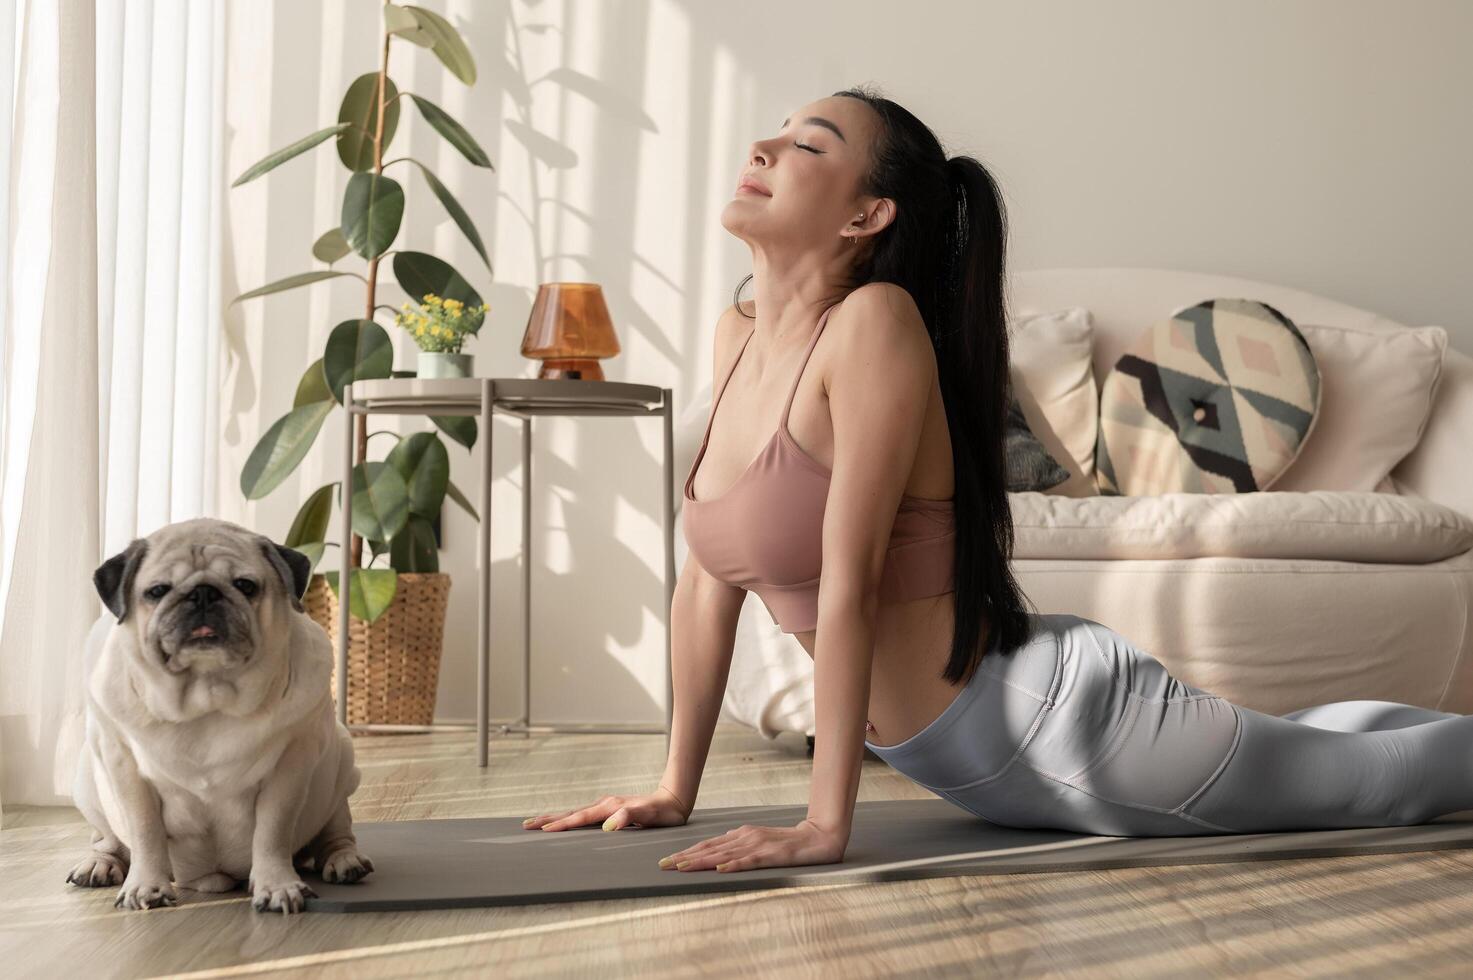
803	146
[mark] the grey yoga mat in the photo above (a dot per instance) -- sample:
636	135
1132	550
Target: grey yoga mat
466	862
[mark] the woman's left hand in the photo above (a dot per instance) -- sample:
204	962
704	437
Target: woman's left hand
749	847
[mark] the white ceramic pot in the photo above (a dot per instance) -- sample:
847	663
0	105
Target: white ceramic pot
438	364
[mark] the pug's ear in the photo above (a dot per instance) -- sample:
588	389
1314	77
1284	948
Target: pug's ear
114	578
293	567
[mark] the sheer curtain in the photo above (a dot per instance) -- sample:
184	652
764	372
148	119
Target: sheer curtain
110	312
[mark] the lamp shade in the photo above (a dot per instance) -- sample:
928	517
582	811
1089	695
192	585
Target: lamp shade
569	329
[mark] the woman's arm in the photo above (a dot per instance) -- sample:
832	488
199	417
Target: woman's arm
878	392
703	622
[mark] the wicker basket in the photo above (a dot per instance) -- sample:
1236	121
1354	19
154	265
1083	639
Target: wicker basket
393	662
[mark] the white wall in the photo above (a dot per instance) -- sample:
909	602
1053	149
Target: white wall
1323	144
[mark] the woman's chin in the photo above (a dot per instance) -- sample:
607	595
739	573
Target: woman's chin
737	220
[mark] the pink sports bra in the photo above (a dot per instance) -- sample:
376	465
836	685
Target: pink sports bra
765	533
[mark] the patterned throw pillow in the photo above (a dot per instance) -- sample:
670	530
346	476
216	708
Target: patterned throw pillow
1029	465
1218	399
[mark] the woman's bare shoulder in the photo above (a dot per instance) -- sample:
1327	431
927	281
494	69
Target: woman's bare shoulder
732	328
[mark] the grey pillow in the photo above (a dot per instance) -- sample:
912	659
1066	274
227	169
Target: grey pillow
1029	465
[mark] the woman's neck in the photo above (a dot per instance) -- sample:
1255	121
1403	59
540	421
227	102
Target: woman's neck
790	293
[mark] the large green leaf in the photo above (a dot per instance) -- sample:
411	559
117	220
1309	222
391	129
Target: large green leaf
356	351
287	152
314	550
310	524
461	428
413	549
448	47
370	591
372	208
292	282
359	112
424	464
313	386
331	246
457	213
452	131
282	448
454	492
420	273
380	501
399	21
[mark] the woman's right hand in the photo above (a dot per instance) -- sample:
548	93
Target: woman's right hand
657	809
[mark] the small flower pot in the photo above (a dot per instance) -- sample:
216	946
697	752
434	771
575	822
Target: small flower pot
438	364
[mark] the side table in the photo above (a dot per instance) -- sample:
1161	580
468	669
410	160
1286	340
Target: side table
520	398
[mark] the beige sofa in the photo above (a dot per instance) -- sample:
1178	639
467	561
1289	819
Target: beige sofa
1276	600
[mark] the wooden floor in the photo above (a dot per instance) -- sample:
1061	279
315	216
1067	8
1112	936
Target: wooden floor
1381	915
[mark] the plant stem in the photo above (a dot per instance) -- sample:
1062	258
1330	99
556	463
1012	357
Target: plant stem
360	453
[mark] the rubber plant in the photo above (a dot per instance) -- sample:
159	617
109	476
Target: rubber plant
396	501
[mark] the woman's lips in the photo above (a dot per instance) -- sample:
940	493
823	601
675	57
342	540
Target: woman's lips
750	186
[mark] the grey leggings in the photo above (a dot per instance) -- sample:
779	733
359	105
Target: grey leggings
1079	730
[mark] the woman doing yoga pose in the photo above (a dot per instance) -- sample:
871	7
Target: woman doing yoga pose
860	431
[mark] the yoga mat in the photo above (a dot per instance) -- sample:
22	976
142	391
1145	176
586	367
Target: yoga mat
481	861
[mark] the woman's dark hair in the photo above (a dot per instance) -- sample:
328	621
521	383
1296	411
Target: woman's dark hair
947	247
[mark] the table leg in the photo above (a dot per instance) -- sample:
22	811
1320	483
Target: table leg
669	514
483	601
345	553
527	573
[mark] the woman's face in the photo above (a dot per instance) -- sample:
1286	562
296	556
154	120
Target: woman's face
808	178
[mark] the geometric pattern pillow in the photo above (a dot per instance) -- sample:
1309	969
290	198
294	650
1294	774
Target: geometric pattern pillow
1218	399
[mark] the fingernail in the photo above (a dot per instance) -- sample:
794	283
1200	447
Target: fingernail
528	820
681	866
607	822
721	867
666	862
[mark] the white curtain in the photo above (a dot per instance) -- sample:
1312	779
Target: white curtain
112	170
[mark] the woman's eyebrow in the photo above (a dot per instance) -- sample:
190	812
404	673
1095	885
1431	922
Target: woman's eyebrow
818	121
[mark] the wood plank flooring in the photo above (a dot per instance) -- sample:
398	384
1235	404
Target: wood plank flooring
1381	915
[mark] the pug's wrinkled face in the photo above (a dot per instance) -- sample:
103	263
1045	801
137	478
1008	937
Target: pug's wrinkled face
204	595
198	608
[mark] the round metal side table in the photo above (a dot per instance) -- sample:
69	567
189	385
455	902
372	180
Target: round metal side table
520	398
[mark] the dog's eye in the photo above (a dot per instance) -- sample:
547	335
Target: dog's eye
157	592
246	586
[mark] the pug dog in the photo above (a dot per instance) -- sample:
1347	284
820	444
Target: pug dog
212	753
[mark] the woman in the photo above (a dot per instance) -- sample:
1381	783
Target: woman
885	467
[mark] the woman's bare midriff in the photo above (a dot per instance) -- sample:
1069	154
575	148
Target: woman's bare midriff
912	645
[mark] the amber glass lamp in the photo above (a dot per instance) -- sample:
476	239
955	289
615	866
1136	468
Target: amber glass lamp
569	330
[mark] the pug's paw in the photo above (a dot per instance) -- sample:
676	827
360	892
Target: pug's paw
142	890
98	870
346	866
284	893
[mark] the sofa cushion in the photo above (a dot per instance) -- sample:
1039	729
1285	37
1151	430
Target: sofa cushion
1378	391
1217	398
1332	525
1050	356
1030	466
